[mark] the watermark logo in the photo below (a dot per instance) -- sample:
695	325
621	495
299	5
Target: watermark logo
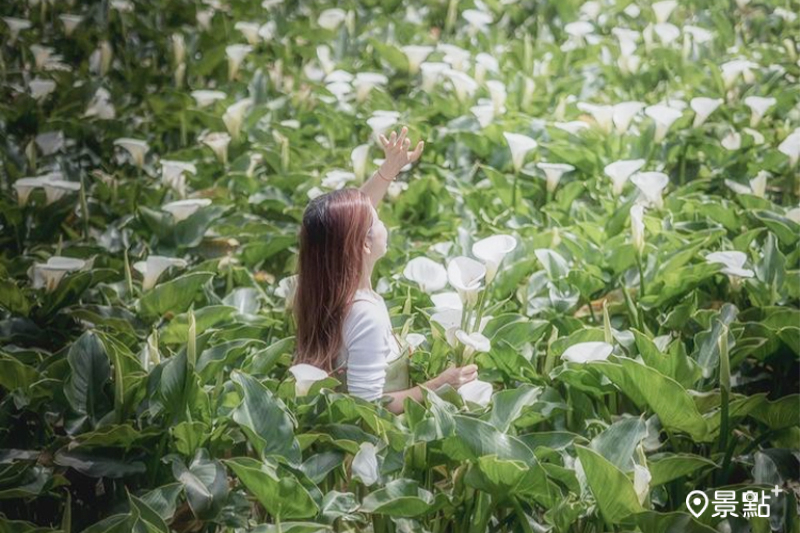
754	503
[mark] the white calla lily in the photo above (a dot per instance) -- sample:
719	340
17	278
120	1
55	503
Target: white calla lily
519	145
154	266
485	63
586	352
664	9
137	149
484	113
733	69
101	106
16	25
305	376
651	187
359	157
234	116
756	187
41	88
623	113
431	74
731	141
183	209
173	174
380	124
336	179
465	275
497	91
664	116
477	392
204	98
332	18
364	82
429	274
416	55
48	275
478	20
286	289
70	22
236	54
218	142
603	114
249	30
621	171
790	147
446	300
759	106
463	84
55	189
572	127
474	342
733	262
492	250
637	227
553	173
703	107
667	33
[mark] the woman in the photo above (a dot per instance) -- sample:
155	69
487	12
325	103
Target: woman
343	325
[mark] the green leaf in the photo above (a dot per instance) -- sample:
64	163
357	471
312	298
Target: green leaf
174	296
145	519
612	489
279	492
667	467
265	420
205	483
402	498
90	370
164	500
94	464
508	405
618	441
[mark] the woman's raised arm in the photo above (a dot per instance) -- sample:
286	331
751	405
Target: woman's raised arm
397	156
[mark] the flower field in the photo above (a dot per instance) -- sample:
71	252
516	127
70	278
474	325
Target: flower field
605	219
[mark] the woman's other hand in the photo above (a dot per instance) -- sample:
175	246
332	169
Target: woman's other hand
455	376
396	150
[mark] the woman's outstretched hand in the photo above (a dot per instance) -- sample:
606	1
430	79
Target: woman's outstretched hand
456	376
396	150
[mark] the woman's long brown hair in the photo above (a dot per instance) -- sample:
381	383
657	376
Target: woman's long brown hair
334	228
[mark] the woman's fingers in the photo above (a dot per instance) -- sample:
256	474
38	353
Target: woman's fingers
401	139
413	156
392	138
383	139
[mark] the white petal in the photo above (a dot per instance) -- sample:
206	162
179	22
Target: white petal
585	352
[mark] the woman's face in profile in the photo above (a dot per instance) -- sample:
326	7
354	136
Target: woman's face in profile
378	236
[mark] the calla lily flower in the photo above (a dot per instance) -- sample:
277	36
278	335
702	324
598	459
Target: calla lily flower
380	124
455	56
651	186
70	22
585	352
484	113
183	209
55	189
218	142
477	392
620	171
305	376
173	174
758	107
286	289
450	321
478	20
332	18
249	30
236	54
756	187
497	90
16	25
137	149
54	185
637	227
641	482
100	60
430	275
572	127
732	69
336	179
463	84
431	73
48	275
553	173
664	9
733	262
465	275
486	63
732	141
623	114
443	301
101	106
492	250
663	116
50	142
790	147
41	88
365	81
204	18
41	55
475	342
519	145
703	107
234	116
794	215
359	158
667	33
603	114
204	98
416	55
154	266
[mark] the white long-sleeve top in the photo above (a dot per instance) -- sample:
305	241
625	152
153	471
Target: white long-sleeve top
368	345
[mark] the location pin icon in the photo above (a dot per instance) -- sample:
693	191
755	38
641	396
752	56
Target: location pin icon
697	502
